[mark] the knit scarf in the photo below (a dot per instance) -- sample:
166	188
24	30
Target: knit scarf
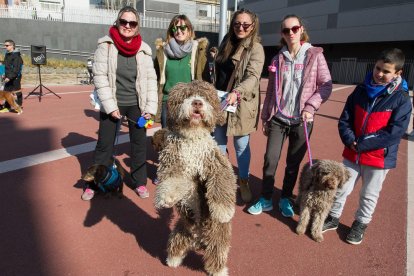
176	51
374	90
126	49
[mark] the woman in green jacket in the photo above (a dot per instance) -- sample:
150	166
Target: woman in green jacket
180	59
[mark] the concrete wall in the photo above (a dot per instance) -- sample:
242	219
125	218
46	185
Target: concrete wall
70	36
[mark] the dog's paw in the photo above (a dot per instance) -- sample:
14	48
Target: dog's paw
318	238
222	272
222	213
174	261
300	229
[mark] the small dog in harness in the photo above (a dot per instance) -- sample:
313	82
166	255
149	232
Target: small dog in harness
106	179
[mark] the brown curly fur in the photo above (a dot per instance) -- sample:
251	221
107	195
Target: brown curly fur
317	188
195	178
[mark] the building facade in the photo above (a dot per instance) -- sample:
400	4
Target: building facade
352	32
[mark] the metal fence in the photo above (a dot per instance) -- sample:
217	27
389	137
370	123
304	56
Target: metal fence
91	16
353	70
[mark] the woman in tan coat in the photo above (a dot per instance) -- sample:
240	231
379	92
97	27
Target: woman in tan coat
126	83
239	65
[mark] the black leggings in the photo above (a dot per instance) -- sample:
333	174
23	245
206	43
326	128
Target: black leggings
278	132
138	140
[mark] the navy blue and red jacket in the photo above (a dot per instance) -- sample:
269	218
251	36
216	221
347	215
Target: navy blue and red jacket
377	126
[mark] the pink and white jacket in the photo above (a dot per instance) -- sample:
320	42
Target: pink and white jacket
316	86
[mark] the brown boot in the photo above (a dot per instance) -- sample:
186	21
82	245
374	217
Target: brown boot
245	192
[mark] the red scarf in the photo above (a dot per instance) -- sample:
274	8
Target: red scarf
126	49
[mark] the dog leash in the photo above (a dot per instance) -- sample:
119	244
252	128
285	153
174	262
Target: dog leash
305	128
118	130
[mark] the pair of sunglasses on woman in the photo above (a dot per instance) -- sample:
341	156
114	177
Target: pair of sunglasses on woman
124	23
176	28
294	29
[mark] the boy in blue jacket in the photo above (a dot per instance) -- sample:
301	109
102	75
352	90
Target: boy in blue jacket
374	119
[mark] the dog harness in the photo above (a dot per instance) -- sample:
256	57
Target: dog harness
111	181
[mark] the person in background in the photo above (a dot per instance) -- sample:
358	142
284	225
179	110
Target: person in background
239	64
211	64
13	64
299	82
373	121
126	84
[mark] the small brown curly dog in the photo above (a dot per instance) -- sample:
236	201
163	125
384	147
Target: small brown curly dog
317	188
195	177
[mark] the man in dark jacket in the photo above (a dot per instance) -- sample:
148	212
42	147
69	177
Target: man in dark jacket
13	63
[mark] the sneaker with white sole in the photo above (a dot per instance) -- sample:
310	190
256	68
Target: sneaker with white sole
142	191
88	194
286	208
331	223
261	205
356	234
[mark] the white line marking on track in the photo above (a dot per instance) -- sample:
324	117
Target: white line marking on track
342	87
63	93
49	156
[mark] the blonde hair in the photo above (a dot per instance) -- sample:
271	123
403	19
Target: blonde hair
231	42
304	37
124	10
174	21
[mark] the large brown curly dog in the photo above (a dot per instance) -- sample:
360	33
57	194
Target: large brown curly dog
317	188
195	177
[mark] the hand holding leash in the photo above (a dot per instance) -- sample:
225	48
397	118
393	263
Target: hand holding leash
116	114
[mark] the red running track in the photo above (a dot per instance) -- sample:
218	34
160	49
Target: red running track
47	230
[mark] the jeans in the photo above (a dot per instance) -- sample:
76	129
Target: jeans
138	141
278	133
241	145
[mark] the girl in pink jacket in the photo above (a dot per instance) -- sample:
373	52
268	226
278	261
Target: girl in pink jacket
299	81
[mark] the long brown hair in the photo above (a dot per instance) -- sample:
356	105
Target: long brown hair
174	22
231	42
304	37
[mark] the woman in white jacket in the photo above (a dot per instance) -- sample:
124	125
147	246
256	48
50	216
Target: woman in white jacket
126	83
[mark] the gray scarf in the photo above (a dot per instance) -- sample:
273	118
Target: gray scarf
177	51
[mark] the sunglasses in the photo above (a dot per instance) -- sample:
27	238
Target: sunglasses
244	25
124	23
176	28
294	29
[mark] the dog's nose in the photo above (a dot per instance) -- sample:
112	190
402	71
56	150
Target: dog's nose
197	104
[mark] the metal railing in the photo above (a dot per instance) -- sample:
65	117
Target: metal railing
90	16
353	70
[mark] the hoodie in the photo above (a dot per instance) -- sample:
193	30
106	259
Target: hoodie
292	71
